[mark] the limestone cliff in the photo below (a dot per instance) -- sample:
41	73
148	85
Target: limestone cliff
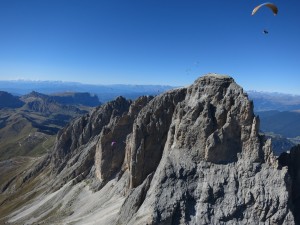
189	156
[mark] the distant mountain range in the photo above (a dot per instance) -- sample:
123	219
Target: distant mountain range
279	118
265	101
68	98
29	123
286	123
10	101
104	92
277	111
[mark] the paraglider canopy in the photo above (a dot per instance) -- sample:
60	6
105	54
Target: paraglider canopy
267	4
113	143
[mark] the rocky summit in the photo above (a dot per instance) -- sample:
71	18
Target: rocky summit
188	156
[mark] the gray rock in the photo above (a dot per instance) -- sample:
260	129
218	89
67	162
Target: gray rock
110	149
189	156
215	168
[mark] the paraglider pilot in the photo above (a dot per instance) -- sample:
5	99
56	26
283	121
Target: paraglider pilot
265	31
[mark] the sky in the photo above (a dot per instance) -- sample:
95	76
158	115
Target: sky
168	42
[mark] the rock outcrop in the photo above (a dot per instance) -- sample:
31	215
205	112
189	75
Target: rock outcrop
214	165
188	156
292	161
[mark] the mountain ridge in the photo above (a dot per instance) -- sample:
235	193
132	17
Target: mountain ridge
262	100
104	92
266	101
191	155
28	123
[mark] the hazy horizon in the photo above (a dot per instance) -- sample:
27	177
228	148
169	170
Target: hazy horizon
128	84
78	82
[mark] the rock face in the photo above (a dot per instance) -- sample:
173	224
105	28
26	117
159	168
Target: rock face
292	161
189	156
214	165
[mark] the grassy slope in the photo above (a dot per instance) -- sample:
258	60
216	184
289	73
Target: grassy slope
18	137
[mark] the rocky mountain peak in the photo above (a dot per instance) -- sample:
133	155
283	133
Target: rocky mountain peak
188	156
34	96
216	121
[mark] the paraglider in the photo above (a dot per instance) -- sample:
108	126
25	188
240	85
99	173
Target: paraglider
113	143
265	31
267	4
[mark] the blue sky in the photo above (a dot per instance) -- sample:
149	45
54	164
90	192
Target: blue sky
151	42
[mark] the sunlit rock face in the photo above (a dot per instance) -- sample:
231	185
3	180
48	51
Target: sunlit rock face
192	155
110	149
214	169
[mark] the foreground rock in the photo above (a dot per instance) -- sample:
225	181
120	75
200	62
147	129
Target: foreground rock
189	156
